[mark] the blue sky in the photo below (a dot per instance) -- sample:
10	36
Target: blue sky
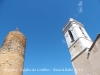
41	21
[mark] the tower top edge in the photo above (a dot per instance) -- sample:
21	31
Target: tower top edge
69	23
16	32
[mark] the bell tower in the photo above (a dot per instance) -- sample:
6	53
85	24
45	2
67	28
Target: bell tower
76	37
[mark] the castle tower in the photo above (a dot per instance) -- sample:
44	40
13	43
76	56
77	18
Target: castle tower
79	44
12	54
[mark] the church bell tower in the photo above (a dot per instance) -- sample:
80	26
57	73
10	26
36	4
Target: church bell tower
76	37
85	54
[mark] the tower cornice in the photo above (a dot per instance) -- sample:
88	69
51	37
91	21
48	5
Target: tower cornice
69	24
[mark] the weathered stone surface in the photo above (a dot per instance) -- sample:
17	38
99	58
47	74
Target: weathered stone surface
89	61
12	54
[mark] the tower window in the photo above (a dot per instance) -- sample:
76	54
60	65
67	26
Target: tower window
71	35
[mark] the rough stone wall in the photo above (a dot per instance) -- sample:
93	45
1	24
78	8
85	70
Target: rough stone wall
89	63
12	54
95	57
82	65
79	46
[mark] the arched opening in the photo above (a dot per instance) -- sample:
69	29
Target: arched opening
71	35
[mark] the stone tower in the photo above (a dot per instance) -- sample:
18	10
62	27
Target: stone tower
78	43
12	54
76	37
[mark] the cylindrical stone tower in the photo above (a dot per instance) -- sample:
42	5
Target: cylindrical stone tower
12	54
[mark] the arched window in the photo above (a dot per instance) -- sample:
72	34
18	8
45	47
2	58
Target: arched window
71	35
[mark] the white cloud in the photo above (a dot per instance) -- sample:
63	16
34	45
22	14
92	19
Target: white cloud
80	5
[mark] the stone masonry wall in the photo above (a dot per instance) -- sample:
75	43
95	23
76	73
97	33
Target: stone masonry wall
12	54
82	65
95	57
89	63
